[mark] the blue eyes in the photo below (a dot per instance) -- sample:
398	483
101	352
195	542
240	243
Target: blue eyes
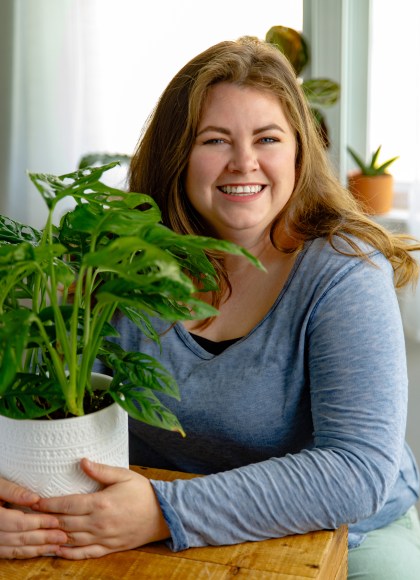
213	141
219	140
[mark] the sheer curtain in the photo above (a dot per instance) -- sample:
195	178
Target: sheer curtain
87	73
394	117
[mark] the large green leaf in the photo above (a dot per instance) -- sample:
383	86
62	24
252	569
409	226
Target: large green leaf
143	405
30	397
138	368
137	376
97	219
13	232
55	187
141	320
292	44
165	307
11	254
102	159
15	328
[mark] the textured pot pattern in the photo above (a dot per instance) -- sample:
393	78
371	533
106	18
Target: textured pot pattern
44	455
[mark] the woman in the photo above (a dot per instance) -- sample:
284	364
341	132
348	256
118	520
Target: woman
294	397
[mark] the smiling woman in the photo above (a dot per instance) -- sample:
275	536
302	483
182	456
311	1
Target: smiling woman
296	421
241	170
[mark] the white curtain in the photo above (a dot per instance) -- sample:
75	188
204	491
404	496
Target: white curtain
87	73
46	119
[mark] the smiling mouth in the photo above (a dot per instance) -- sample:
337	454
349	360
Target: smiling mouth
241	190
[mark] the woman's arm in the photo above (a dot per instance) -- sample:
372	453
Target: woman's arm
356	373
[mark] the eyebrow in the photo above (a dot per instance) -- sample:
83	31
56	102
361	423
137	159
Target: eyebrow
225	131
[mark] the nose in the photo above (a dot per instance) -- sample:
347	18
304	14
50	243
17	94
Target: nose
243	159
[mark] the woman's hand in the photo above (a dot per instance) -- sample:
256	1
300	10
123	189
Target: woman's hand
124	515
25	535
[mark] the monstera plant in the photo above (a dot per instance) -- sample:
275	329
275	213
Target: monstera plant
62	287
320	92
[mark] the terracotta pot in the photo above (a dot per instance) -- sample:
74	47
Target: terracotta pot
44	455
374	193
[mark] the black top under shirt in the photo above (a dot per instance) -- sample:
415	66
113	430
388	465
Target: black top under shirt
213	346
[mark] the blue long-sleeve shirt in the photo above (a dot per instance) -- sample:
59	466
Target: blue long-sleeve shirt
300	424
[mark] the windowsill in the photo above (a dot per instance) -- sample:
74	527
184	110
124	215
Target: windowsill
395	220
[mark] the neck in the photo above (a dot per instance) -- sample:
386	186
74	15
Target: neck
261	248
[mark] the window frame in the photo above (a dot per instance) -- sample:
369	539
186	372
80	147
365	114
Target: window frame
339	32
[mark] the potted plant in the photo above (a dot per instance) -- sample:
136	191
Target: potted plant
371	185
61	292
320	92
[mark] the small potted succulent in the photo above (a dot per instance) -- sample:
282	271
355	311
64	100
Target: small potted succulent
62	290
370	184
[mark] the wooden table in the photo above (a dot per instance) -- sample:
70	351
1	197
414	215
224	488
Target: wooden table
317	555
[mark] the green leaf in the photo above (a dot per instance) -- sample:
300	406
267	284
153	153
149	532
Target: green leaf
12	254
358	160
30	397
156	305
97	219
15	328
55	187
321	92
144	406
381	169
13	232
191	250
136	377
375	156
141	320
138	368
371	169
102	158
292	44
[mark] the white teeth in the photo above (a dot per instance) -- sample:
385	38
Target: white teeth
241	189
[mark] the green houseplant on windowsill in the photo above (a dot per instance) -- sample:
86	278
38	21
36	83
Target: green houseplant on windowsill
320	92
371	184
60	291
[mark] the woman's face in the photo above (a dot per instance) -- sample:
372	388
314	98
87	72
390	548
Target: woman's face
241	171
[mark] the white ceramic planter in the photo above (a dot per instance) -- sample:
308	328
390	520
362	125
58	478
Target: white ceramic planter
44	455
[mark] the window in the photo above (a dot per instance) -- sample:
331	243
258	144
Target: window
86	74
394	97
129	64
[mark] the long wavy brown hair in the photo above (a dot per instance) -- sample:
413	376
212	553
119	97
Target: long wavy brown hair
318	207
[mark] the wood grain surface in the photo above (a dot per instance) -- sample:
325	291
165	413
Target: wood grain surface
318	555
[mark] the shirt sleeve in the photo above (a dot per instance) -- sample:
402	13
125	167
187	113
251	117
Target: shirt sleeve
356	373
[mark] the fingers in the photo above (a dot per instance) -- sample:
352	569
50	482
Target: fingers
32	538
16	521
25	535
25	552
105	474
75	505
82	553
13	493
84	504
